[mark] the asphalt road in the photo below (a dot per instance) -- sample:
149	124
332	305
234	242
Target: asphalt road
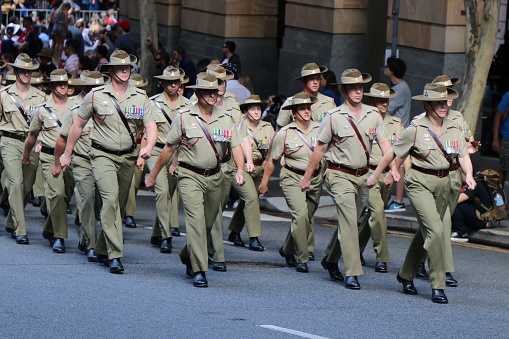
47	295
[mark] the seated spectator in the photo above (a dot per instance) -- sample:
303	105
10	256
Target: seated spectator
465	218
85	63
109	41
246	82
39	18
71	64
82	26
76	36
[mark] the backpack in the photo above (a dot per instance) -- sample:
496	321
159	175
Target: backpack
490	179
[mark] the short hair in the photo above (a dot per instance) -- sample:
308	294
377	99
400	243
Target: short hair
102	50
72	44
230	45
397	66
28	18
180	51
166	56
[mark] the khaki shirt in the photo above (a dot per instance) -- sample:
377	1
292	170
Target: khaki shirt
288	143
322	106
394	128
163	125
194	147
11	119
43	121
83	144
263	134
345	148
108	130
426	153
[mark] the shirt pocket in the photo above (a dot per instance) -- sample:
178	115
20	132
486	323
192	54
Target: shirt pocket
422	151
293	146
191	137
49	124
343	135
9	110
103	110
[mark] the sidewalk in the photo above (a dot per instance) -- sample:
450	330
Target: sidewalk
397	221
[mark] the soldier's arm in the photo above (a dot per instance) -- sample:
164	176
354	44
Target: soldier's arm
151	133
162	160
496	130
385	146
29	144
238	157
74	135
269	169
315	160
59	149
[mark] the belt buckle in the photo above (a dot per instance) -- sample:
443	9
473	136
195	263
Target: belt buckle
23	137
358	172
440	173
206	172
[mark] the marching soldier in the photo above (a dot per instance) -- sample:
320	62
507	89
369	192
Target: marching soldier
118	110
17	100
46	122
346	134
203	134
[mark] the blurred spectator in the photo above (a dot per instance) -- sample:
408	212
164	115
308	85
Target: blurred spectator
229	54
22	6
71	64
109	41
234	86
101	53
8	43
94	5
74	6
246	82
76	36
110	17
162	60
95	27
43	35
46	61
85	4
8	58
332	91
125	40
202	64
82	26
59	18
181	60
85	63
7	7
39	18
28	41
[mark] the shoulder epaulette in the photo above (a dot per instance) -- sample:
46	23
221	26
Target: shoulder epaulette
398	120
334	110
4	88
41	93
185	110
141	91
154	96
95	89
285	128
74	107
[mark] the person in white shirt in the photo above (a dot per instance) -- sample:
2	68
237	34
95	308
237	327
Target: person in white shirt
234	86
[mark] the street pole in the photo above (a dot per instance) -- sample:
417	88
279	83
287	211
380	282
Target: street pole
395	16
148	29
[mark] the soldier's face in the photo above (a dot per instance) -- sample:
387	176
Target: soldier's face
221	91
312	82
23	75
60	87
303	112
122	72
382	105
207	96
440	107
353	92
254	112
172	86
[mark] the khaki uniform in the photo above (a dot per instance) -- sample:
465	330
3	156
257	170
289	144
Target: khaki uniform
428	194
113	171
248	209
348	191
200	193
319	109
20	179
84	178
54	188
376	224
166	184
302	205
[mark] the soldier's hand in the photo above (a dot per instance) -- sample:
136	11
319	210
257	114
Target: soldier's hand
250	167
395	175
150	181
55	170
239	178
282	161
305	183
140	163
470	182
25	161
388	180
173	167
38	148
65	160
473	146
263	188
372	180
146	152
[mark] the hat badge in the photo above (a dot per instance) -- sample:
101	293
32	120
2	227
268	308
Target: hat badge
27	64
313	71
448	83
221	75
97	81
442	95
305	101
172	73
211	84
383	93
123	61
61	77
426	93
138	83
356	79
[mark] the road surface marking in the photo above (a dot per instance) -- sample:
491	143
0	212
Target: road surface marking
290	331
263	217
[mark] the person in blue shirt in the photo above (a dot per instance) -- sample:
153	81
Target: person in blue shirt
501	128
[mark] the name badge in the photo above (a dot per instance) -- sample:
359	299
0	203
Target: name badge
134	112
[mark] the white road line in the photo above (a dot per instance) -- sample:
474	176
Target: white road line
290	331
263	217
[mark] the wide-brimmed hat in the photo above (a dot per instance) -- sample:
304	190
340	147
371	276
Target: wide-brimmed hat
59	75
299	99
311	69
444	80
90	78
121	58
435	92
207	81
46	52
137	80
2	64
23	61
37	78
353	76
171	73
185	80
380	90
219	71
9	76
254	100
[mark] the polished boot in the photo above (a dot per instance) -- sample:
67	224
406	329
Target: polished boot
254	244
175	231
102	259
235	238
82	248
381	267
290	259
22	240
352	283
333	269
200	280
156	241
116	266
438	296
210	260
59	245
311	256
449	279
189	267
129	222
37	202
421	272
302	267
166	246
219	266
48	236
408	285
11	232
91	256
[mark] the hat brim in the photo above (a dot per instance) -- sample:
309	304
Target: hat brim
184	80
132	60
79	82
262	103
33	65
323	69
451	94
392	94
69	77
454	82
143	83
220	83
291	107
2	64
365	76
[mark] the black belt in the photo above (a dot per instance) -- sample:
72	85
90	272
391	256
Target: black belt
299	172
226	158
257	162
373	167
48	150
205	172
454	167
81	156
20	137
119	153
357	172
440	173
159	145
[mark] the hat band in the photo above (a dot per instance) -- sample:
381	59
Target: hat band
352	80
444	83
310	72
435	95
375	91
